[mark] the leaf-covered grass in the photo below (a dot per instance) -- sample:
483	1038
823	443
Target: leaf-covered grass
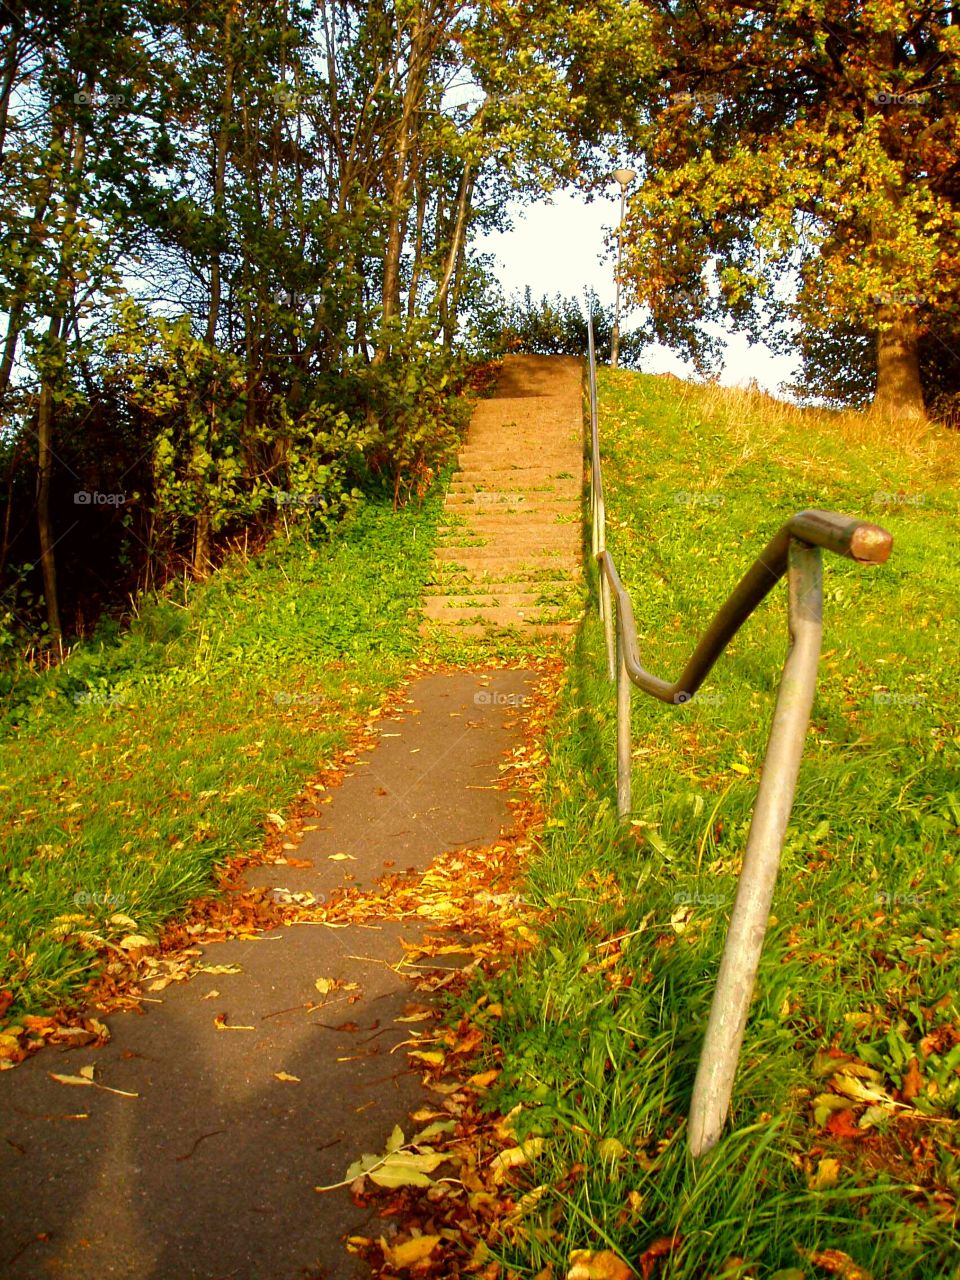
602	1026
135	769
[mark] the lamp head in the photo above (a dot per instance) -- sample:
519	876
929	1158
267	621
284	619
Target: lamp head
624	176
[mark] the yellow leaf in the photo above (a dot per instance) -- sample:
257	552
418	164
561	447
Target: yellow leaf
430	1056
341	857
611	1149
514	1156
483	1078
739	768
410	1252
859	1090
586	1265
220	1022
828	1171
54	1075
325	985
220	968
133	940
284	1075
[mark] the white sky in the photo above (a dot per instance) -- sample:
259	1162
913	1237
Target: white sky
557	246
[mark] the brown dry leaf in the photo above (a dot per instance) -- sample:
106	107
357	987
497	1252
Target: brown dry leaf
837	1263
409	1252
912	1081
659	1249
587	1265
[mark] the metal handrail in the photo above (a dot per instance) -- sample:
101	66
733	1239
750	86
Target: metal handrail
795	550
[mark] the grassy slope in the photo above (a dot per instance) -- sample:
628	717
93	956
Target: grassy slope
862	951
136	769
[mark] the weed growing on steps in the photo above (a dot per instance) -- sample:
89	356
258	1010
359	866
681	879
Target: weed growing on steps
602	1026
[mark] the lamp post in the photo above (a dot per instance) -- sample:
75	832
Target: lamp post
624	177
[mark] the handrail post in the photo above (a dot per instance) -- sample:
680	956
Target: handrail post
713	1086
624	687
598	515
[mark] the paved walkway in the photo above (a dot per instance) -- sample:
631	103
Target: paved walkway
509	554
209	1172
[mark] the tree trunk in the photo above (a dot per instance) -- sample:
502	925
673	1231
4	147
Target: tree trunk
219	173
45	455
44	476
899	394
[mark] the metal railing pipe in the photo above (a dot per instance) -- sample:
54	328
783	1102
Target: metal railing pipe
795	550
713	1087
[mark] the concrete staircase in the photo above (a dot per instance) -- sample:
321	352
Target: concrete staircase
509	550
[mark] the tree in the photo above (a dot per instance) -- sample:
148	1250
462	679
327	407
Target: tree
806	143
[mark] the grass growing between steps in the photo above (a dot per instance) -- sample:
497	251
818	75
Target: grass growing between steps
137	768
844	1132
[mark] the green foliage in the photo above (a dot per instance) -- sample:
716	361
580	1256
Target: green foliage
799	150
861	955
133	770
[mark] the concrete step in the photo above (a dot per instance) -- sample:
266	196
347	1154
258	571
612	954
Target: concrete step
533	602
484	523
544	629
467	504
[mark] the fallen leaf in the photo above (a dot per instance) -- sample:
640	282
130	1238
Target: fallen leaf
430	1056
483	1078
659	1249
611	1149
586	1265
220	968
409	1252
134	940
826	1175
220	1022
514	1156
325	985
284	1075
341	857
837	1263
912	1081
861	1091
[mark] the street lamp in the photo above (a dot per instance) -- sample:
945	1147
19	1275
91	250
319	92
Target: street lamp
624	177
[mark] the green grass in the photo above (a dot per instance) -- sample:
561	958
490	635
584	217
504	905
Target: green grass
861	954
138	767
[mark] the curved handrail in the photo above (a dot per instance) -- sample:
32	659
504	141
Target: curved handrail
794	551
856	539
